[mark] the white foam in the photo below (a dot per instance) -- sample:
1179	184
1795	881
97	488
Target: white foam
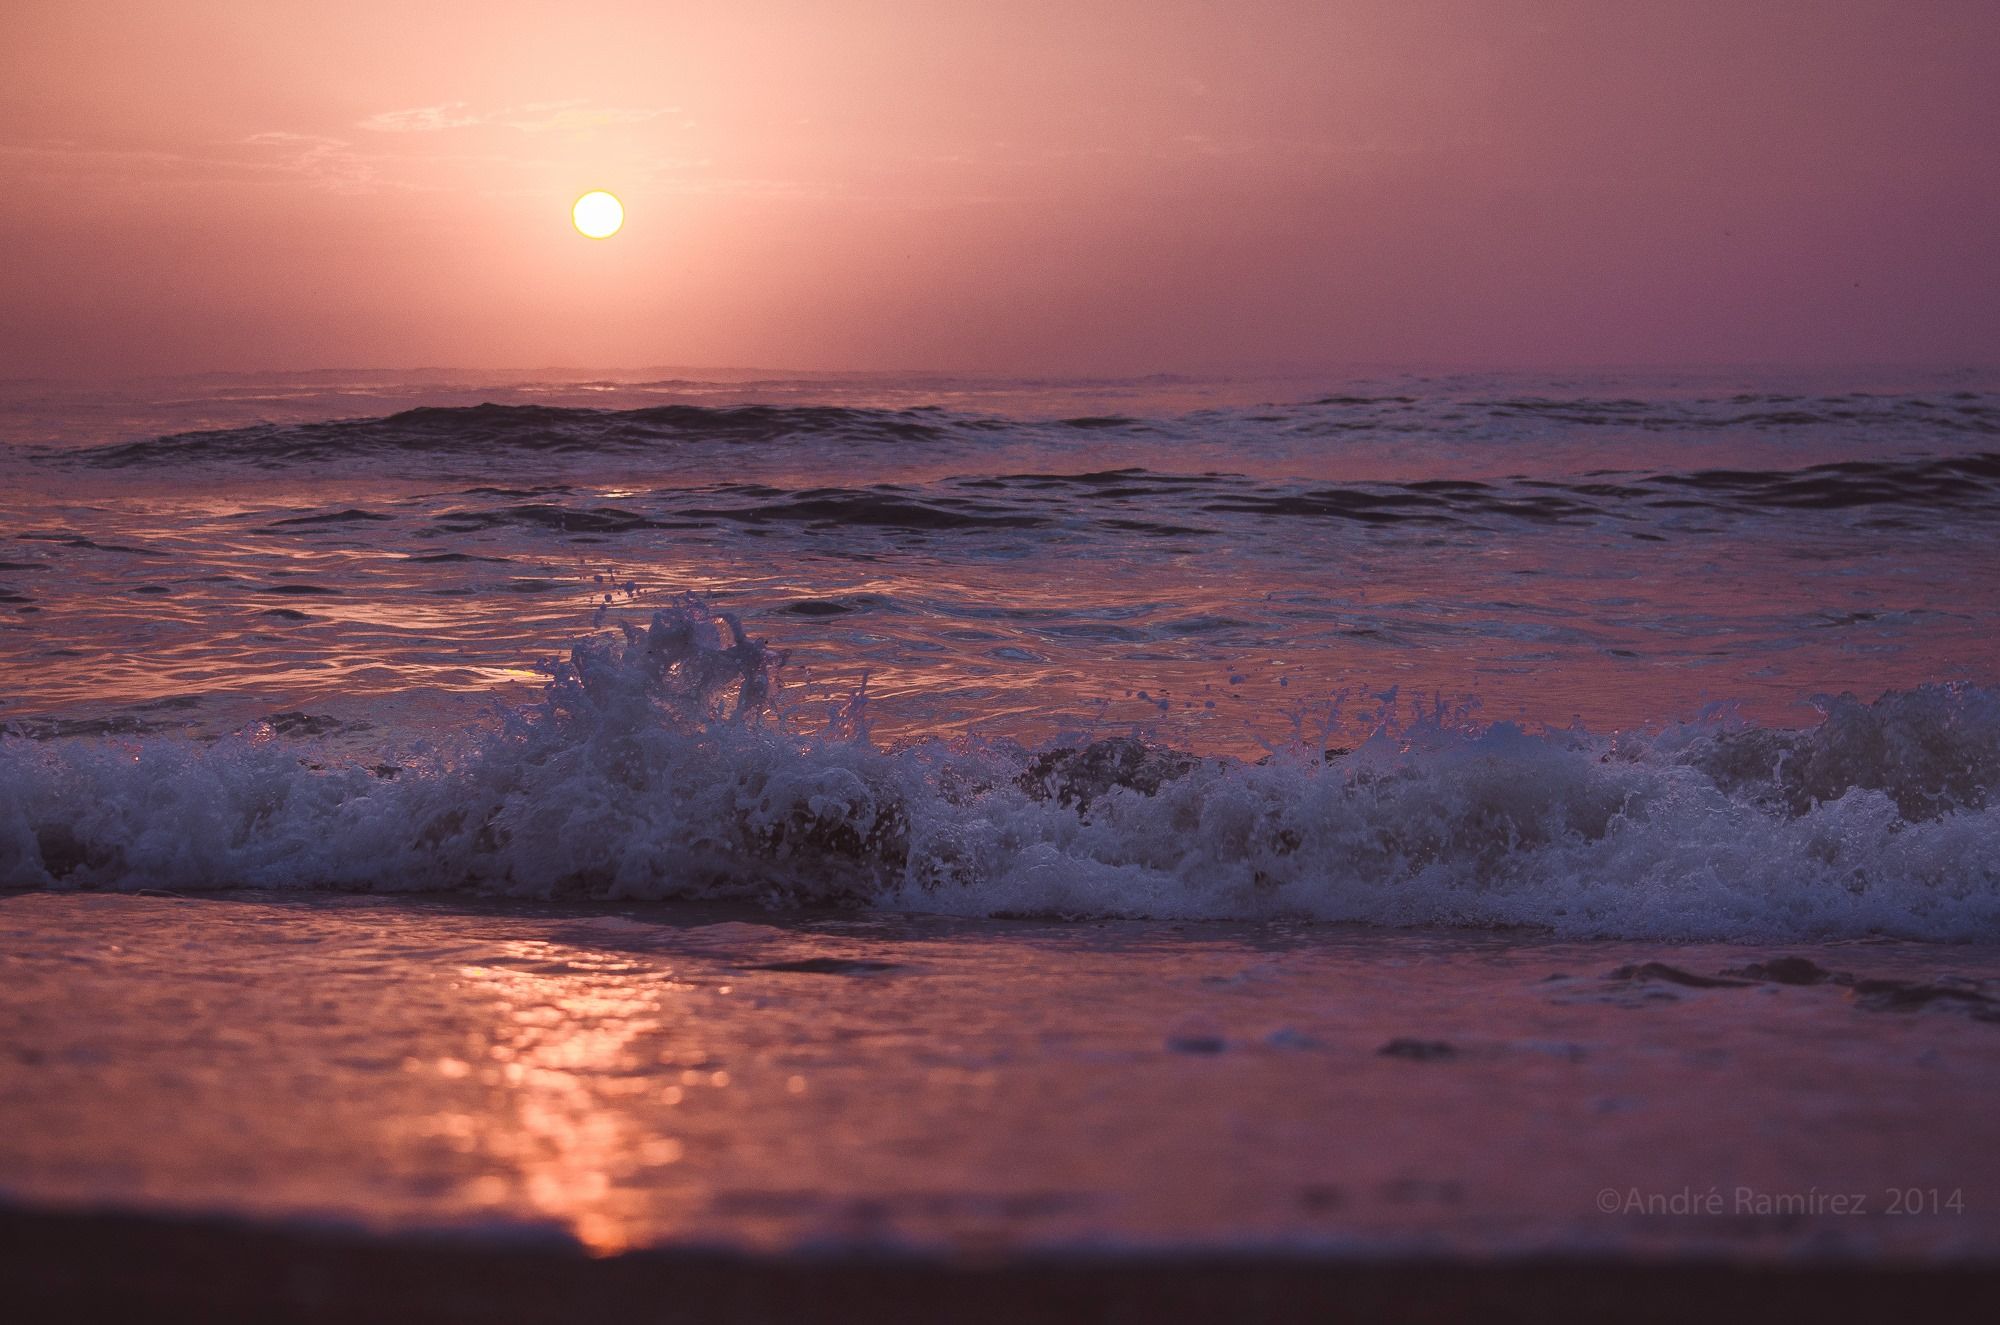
665	765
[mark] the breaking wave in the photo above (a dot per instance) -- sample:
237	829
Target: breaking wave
671	763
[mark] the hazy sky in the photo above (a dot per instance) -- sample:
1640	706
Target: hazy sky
1075	187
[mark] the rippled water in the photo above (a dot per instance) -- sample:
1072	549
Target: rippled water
1011	571
1552	556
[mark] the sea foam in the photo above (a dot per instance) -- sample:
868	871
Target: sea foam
669	762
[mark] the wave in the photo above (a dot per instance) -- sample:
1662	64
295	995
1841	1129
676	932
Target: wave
1957	411
551	430
670	762
1150	498
1882	495
544	429
1147	501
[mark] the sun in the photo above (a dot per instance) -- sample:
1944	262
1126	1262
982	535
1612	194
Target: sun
598	214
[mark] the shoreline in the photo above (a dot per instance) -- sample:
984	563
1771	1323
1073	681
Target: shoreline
349	1108
71	1265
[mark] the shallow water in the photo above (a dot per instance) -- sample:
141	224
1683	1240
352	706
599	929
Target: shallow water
645	1076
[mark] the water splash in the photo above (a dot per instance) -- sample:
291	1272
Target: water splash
672	762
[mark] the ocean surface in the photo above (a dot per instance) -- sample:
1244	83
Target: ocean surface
1427	820
1692	657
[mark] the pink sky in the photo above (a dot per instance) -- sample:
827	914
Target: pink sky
1080	187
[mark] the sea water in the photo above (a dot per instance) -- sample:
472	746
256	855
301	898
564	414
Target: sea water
1335	812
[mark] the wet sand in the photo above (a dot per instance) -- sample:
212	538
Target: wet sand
292	1106
66	1267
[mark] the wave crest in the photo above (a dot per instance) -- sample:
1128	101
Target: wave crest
670	763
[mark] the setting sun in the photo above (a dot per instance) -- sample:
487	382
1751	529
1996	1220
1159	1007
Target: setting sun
598	214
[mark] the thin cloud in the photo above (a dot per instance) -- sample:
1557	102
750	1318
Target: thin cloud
532	117
559	116
326	163
322	163
422	119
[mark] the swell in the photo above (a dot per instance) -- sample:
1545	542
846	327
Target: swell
671	763
566	430
540	429
1153	497
1151	502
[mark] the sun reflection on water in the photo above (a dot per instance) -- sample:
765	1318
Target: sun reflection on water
576	1038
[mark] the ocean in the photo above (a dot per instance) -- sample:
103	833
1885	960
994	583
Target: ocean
1308	813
